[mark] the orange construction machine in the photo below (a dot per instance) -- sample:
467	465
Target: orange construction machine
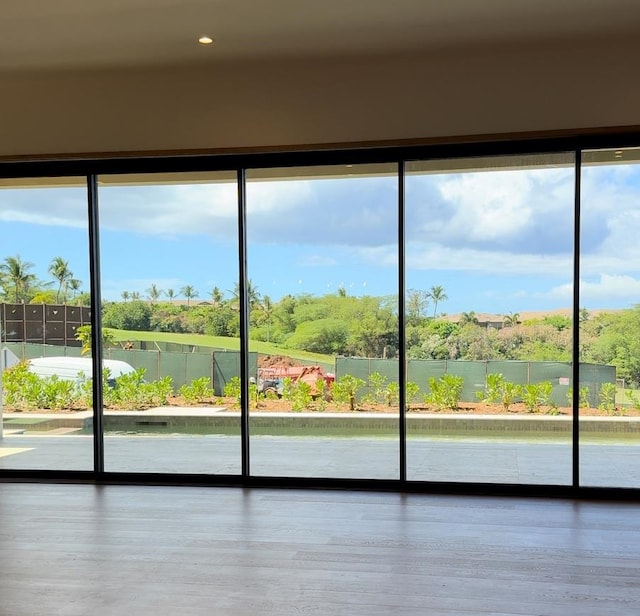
271	379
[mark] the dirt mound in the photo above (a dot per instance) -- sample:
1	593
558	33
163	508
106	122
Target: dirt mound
267	361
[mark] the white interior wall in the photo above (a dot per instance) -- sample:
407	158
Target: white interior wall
301	102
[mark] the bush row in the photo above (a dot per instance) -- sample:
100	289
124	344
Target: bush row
24	390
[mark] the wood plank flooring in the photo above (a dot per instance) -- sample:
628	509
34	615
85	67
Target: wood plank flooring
80	550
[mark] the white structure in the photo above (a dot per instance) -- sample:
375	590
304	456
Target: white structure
78	369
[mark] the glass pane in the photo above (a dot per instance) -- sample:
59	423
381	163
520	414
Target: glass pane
169	260
489	258
45	412
322	264
610	319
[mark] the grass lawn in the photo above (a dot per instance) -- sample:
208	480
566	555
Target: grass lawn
219	342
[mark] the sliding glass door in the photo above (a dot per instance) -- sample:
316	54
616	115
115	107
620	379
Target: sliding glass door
609	324
169	266
323	301
46	409
489	268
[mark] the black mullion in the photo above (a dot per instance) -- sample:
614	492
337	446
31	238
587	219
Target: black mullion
402	351
96	323
575	374
575	354
244	321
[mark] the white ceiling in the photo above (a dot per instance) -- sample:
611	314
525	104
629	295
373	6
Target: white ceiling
60	34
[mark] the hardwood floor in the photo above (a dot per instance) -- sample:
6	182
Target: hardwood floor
128	550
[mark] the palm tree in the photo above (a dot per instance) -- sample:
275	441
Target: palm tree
83	335
16	273
584	315
171	294
416	304
469	318
59	269
216	296
511	319
74	285
154	293
267	308
437	294
189	292
134	295
252	293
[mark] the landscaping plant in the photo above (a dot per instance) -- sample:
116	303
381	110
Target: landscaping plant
346	388
493	389
232	389
536	395
377	388
445	392
607	397
197	391
583	397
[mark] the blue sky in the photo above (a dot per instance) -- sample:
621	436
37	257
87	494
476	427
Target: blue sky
497	241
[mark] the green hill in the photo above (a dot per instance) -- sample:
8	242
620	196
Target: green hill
218	342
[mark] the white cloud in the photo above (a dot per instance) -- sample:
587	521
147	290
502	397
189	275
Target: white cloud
59	207
170	210
614	287
438	257
518	221
605	289
487	206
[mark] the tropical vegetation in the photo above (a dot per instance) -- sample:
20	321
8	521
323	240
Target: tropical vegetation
342	325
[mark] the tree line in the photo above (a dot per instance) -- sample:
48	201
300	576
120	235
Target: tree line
339	324
19	284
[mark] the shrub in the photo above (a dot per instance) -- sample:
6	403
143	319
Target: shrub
377	388
197	391
232	389
536	395
411	391
510	394
132	392
24	390
493	389
393	393
287	388
301	396
498	390
323	393
445	392
634	398
583	397
127	315
345	390
607	397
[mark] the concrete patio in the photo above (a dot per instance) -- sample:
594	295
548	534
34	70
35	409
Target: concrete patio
480	456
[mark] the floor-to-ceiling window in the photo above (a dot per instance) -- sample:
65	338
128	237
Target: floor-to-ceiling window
323	294
44	295
490	310
609	318
169	270
489	267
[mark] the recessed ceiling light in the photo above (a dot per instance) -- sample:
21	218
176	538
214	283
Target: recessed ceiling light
205	40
